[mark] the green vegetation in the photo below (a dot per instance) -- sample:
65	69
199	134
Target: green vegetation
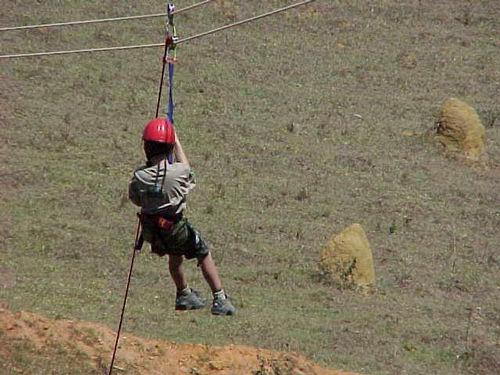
296	128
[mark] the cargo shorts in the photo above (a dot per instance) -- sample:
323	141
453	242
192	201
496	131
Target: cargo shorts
181	239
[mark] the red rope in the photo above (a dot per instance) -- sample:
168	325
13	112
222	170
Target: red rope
168	43
137	236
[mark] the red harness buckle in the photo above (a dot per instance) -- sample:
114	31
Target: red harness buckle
160	222
163	223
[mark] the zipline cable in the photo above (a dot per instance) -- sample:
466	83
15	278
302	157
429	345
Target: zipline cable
88	50
74	23
187	39
38	54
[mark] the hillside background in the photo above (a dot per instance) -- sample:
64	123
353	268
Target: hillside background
297	126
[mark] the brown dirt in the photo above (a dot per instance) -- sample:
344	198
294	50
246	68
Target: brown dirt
94	342
459	126
347	259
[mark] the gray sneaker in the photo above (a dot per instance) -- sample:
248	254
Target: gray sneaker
223	306
191	301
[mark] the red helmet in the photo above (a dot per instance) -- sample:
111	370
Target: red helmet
159	130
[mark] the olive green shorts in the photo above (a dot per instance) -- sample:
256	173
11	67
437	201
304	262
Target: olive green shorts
181	239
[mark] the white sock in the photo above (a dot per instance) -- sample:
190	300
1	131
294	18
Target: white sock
220	295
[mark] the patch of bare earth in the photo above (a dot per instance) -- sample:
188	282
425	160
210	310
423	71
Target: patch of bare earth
93	343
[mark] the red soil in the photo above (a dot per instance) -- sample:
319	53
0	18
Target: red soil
93	343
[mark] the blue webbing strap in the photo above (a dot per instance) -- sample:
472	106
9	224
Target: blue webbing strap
170	108
171	105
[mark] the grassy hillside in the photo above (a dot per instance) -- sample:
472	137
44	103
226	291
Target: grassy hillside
297	127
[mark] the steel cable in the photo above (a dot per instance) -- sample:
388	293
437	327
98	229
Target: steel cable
87	22
88	50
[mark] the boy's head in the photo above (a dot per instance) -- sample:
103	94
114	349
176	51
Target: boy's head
158	137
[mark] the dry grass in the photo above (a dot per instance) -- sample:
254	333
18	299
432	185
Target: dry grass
297	127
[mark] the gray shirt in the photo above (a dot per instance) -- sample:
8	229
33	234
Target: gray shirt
161	189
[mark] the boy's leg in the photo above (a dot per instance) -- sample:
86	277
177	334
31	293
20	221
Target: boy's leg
222	304
186	298
176	269
210	273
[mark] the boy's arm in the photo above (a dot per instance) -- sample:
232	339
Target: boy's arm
179	153
133	193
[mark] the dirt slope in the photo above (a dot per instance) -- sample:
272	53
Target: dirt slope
92	344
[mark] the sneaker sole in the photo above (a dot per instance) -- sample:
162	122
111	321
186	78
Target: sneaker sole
227	313
185	308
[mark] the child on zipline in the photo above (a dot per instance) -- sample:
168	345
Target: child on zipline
161	188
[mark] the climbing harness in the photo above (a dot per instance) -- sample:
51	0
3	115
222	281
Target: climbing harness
158	221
